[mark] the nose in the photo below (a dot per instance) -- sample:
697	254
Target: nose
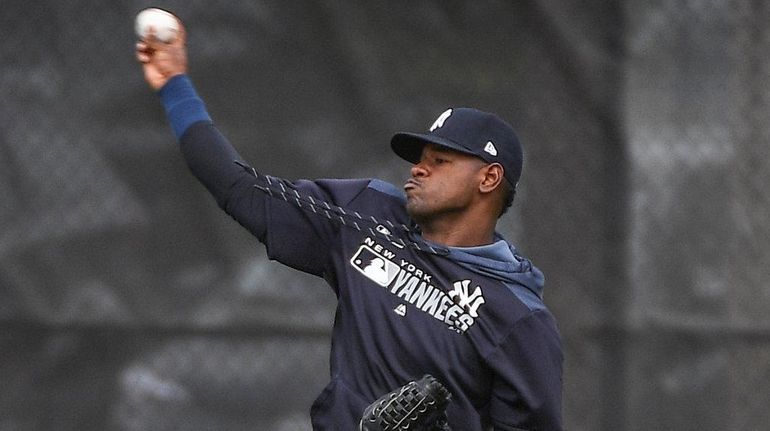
419	170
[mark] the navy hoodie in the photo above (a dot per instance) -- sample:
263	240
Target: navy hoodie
473	317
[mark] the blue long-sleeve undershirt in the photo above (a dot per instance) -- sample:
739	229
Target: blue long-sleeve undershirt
182	104
211	157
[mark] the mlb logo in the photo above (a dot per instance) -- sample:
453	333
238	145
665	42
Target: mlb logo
374	266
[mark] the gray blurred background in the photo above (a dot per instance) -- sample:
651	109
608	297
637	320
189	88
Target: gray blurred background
128	301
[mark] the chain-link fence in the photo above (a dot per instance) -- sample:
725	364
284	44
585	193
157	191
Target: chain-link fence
128	301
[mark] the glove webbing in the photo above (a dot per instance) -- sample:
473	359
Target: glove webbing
277	188
418	405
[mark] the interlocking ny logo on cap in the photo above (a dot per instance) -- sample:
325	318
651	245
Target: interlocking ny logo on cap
440	120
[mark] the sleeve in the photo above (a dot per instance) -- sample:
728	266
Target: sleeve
291	234
527	367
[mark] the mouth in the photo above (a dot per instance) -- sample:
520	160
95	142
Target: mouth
411	183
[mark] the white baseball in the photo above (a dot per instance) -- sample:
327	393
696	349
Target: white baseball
164	23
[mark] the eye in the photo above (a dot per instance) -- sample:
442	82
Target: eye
440	160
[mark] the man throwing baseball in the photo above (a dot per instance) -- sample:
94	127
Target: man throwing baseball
425	286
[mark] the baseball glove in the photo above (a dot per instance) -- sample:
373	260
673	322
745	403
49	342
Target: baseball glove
417	406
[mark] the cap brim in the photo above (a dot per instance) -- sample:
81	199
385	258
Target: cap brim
408	146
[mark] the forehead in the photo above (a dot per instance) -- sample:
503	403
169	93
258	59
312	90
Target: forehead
430	148
433	148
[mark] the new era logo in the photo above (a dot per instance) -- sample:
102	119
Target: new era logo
490	148
382	229
400	310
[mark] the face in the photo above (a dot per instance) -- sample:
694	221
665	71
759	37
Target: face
444	182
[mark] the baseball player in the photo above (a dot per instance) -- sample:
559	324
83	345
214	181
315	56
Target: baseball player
425	286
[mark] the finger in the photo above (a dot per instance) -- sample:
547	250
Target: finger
182	31
181	37
151	39
143	57
141	52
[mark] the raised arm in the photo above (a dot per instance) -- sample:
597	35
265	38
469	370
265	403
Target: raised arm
208	154
212	159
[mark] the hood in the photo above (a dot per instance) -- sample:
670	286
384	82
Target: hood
500	260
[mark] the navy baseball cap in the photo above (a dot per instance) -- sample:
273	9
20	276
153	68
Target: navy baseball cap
468	131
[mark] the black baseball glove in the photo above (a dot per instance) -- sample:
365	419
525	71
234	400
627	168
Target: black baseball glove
417	406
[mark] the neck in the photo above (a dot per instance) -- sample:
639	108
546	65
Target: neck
463	233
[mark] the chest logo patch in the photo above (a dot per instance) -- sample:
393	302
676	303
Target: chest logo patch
458	307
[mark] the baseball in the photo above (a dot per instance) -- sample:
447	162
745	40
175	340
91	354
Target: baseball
164	23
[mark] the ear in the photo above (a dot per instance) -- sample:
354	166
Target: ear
494	175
